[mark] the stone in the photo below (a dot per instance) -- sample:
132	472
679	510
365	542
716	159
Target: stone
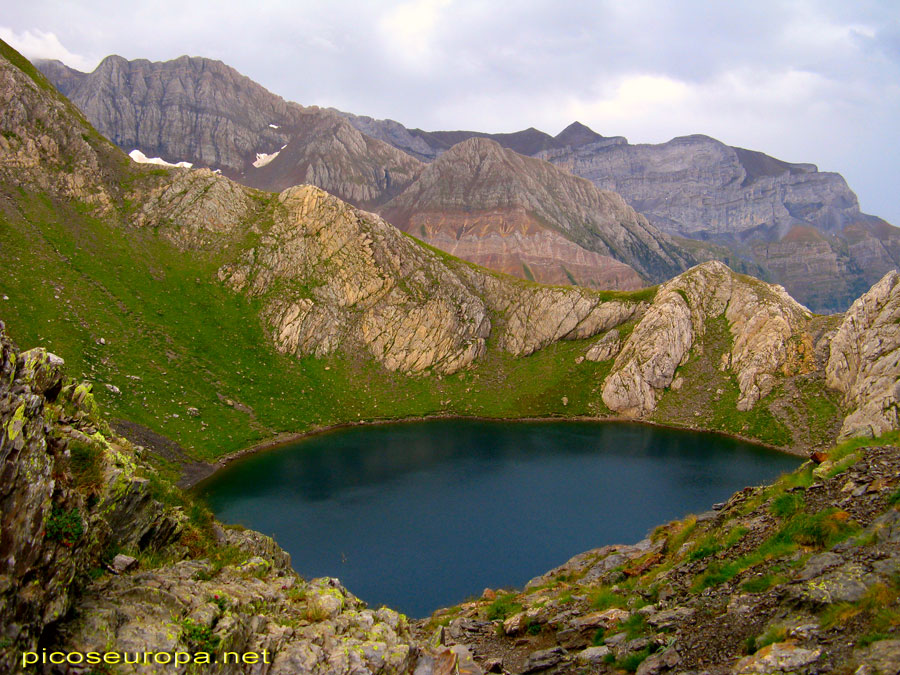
847	583
780	657
123	563
593	655
883	656
543	659
601	619
41	370
514	624
670	618
659	663
818	564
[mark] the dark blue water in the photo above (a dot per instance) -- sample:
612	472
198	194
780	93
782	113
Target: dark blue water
423	515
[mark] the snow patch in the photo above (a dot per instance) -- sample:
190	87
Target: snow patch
141	158
262	158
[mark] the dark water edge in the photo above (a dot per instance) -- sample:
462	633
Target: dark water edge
422	515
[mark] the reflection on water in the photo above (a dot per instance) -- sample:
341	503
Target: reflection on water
422	515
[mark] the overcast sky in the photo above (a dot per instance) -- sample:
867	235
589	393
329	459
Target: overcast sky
804	81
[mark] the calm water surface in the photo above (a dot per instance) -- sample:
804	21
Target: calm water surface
422	515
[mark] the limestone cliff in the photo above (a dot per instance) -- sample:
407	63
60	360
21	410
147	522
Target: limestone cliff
864	360
333	277
203	112
766	324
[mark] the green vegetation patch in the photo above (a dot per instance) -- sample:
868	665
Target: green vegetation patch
820	530
715	392
64	525
502	607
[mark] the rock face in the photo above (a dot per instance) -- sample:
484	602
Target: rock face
346	279
46	142
430	320
766	324
802	225
864	360
71	490
495	207
56	523
203	112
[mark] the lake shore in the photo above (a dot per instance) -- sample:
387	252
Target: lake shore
195	473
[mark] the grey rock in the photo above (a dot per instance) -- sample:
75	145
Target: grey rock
862	360
544	659
883	656
670	618
124	563
593	655
819	564
660	662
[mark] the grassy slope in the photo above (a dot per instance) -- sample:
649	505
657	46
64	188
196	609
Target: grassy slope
73	280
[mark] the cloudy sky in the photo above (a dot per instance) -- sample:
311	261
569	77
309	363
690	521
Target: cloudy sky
810	81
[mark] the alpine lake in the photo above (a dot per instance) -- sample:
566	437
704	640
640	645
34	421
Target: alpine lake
423	515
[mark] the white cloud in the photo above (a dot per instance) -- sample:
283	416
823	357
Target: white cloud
40	44
408	32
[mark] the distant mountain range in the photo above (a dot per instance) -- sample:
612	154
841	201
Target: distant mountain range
696	198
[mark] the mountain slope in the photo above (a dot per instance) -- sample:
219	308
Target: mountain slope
802	226
789	222
203	112
491	205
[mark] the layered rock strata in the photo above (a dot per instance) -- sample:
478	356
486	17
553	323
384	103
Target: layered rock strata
766	324
483	200
864	360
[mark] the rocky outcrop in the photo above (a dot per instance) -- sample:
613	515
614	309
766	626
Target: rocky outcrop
864	360
333	277
45	142
69	490
767	327
535	316
479	192
256	606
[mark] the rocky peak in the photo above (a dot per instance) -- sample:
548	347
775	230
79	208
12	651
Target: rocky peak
767	330
576	134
